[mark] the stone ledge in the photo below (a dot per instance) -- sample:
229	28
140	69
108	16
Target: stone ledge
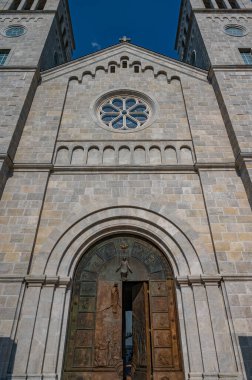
224	10
199	280
214	376
212	279
11	278
47	280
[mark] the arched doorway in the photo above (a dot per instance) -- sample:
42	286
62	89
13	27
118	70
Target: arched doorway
123	321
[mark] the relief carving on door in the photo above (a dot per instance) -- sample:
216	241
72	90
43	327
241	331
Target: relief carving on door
123	321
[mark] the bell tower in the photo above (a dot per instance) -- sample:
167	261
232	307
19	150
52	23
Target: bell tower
215	35
35	35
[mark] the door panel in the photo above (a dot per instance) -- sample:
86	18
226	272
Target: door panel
108	327
141	361
165	343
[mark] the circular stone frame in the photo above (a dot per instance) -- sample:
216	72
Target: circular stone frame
4	31
235	26
95	106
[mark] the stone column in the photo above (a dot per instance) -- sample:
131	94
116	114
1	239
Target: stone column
222	335
59	313
192	332
26	326
41	328
63	332
210	363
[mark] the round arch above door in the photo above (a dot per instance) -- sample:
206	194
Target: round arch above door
123	318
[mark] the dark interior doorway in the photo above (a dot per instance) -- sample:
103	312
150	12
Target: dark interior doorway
136	331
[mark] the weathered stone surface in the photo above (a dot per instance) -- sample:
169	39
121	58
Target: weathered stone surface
183	183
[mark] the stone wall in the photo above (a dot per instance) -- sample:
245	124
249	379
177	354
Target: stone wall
72	185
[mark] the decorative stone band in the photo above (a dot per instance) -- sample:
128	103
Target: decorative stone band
44	280
213	279
213	376
46	376
191	376
199	280
47	281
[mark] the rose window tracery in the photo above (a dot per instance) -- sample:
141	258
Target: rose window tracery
124	112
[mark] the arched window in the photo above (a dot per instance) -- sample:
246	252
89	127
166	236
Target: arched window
28	5
15	4
208	4
56	58
221	4
41	5
193	58
234	4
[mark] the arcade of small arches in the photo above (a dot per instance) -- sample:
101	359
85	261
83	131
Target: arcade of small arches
121	154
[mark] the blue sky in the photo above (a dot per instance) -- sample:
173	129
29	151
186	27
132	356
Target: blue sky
98	24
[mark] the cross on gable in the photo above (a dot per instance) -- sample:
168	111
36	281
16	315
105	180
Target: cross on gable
125	39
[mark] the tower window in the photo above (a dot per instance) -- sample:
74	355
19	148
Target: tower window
14	31
15	4
28	5
41	5
112	69
193	58
234	4
208	4
235	30
56	59
136	69
3	56
221	4
246	56
124	64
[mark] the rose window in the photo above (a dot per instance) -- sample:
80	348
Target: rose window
124	112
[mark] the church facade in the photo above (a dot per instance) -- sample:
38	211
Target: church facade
126	194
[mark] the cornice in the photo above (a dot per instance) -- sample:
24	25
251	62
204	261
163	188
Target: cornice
214	166
199	280
33	167
11	278
214	279
129	168
28	12
43	280
224	11
181	280
18	68
236	69
243	158
22	69
36	280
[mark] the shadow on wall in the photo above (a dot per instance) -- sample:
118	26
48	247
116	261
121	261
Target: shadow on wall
246	350
7	356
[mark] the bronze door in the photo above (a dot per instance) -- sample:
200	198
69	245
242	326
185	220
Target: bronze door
95	338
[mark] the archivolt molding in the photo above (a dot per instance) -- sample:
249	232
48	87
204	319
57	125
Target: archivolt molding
174	237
